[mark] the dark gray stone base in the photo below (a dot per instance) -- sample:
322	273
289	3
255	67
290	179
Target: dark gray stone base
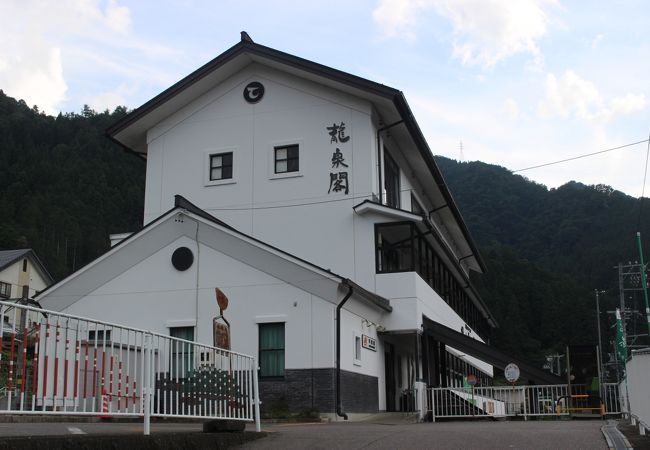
220	426
305	390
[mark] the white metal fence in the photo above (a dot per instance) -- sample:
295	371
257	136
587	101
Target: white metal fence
524	401
55	363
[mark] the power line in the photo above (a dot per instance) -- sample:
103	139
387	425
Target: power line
581	156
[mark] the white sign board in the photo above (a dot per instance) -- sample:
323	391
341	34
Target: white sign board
511	372
369	343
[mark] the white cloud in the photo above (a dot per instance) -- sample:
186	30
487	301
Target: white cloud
485	31
42	41
512	109
398	18
118	18
110	99
596	41
36	78
573	96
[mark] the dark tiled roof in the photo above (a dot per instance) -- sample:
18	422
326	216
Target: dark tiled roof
8	257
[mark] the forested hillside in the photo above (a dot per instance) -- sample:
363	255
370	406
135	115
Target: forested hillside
546	252
64	187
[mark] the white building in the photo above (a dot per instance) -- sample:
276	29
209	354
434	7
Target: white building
301	192
22	275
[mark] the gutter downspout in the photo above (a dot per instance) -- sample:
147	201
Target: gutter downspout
339	408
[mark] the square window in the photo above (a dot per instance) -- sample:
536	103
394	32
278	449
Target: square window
5	290
271	349
221	166
98	335
286	158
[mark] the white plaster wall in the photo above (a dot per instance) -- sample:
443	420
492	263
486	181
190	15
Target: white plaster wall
152	294
294	213
372	362
411	298
10	275
15	276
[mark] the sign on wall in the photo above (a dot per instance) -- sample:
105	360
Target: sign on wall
368	342
253	92
220	326
511	372
339	180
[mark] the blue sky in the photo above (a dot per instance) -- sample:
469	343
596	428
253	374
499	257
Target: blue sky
519	82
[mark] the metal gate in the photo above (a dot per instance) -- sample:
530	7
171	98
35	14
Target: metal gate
55	363
523	401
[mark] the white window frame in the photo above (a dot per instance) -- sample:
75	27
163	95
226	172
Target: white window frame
356	350
6	290
271	159
206	164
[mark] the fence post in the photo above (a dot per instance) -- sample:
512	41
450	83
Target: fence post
525	391
433	404
256	388
146	339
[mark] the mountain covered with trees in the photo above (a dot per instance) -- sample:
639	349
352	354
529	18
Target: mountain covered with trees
64	187
546	251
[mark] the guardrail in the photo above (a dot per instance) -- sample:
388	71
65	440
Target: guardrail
524	401
55	363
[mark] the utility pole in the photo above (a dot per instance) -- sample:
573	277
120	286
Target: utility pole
600	342
644	285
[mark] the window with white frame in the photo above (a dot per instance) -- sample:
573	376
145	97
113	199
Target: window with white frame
286	158
221	166
357	348
5	290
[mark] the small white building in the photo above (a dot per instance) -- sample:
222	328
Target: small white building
22	275
304	194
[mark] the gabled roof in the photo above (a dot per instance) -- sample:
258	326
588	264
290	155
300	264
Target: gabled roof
8	257
183	205
130	131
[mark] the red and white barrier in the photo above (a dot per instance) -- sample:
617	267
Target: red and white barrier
69	365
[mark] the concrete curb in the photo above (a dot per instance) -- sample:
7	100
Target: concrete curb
159	441
615	439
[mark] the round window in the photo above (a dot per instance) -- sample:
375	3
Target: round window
182	258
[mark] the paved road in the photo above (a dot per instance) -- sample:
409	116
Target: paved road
66	428
441	435
360	435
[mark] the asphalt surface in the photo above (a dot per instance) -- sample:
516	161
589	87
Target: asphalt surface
79	428
440	435
464	435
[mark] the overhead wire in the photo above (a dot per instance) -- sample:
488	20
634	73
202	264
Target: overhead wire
583	156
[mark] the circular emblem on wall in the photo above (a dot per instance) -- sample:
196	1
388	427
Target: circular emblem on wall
253	92
182	258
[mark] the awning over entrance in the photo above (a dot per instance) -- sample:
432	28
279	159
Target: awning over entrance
486	353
